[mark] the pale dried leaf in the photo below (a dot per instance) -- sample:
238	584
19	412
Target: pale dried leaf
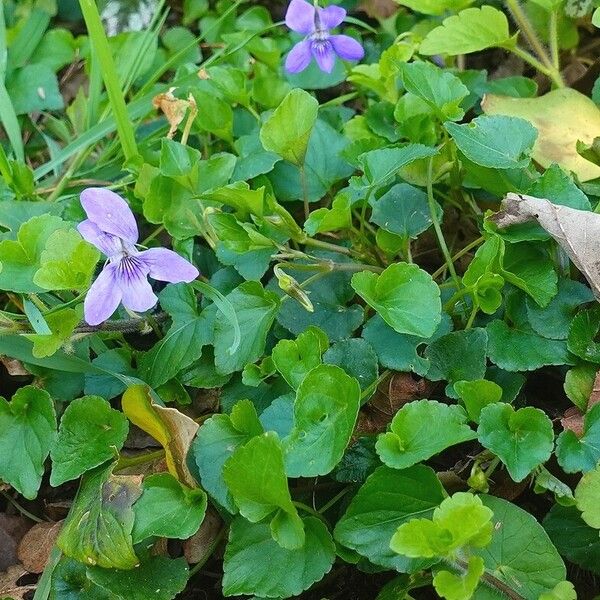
8	583
595	395
13	366
173	108
562	117
577	231
572	420
36	545
12	529
379	9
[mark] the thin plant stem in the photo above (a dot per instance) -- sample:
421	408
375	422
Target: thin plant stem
309	510
334	500
536	64
553	37
525	26
326	246
141	459
436	224
22	509
304	192
458	255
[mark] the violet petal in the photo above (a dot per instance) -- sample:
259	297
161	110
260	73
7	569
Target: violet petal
108	244
324	55
299	57
300	17
132	278
331	16
103	297
110	213
166	265
346	47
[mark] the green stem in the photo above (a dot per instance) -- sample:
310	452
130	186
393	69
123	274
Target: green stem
536	64
326	246
525	26
141	459
436	224
304	192
21	509
553	37
335	499
375	384
109	75
458	255
309	510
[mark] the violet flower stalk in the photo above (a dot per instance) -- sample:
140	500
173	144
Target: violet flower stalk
111	227
315	24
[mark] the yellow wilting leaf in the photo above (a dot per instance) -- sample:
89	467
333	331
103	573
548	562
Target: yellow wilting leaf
173	108
173	430
562	117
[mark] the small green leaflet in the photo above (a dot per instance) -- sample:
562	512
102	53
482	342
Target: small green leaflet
90	433
168	509
586	497
28	426
325	412
256	478
522	439
405	296
495	141
420	430
471	30
255	564
98	528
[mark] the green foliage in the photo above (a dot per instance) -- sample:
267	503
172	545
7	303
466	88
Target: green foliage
98	529
495	141
168	509
388	499
325	412
288	129
471	30
28	426
287	572
90	433
404	296
461	520
421	429
373	331
522	439
260	497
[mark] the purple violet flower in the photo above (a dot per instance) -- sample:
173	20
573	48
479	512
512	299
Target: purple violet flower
315	23
111	227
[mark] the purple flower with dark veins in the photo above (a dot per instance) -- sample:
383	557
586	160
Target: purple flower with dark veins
111	227
315	24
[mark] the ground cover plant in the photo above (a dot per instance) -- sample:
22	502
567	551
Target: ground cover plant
299	299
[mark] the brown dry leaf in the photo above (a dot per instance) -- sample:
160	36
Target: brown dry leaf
36	545
13	366
171	428
8	583
562	117
595	395
196	547
572	420
577	231
375	416
12	529
379	9
173	108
